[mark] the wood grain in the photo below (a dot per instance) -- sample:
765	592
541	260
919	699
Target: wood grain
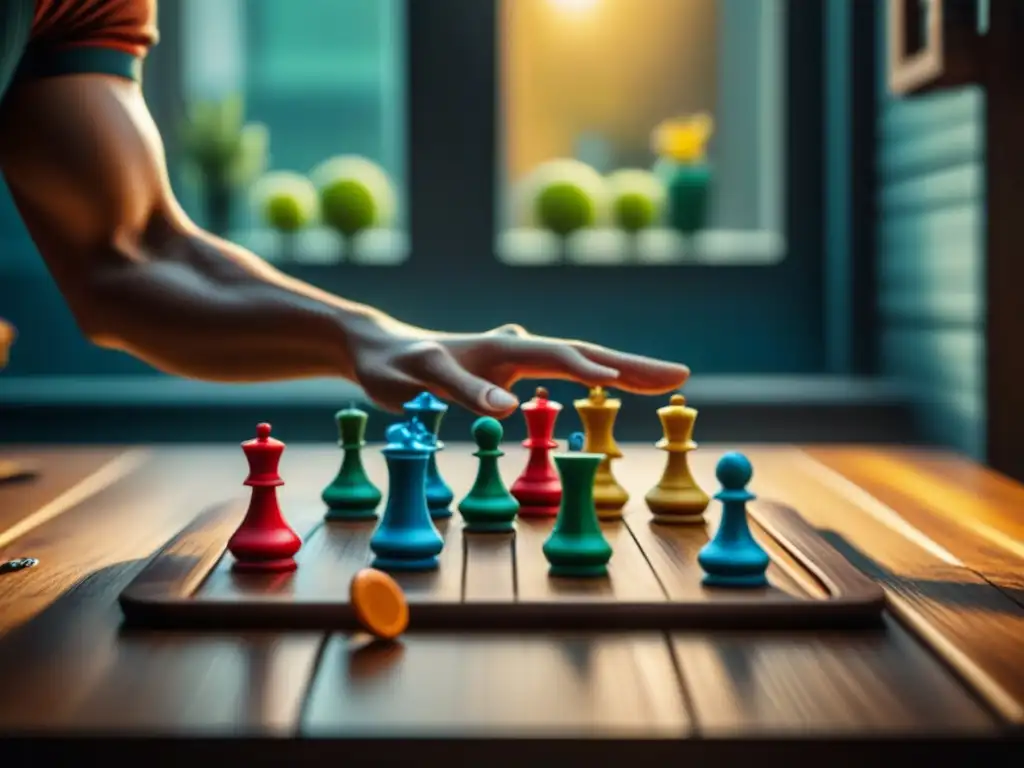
631	596
69	478
823	683
972	625
968	510
498	685
74	667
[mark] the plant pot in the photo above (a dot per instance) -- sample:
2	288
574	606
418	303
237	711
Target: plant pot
687	187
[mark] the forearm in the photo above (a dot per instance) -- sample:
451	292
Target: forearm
195	306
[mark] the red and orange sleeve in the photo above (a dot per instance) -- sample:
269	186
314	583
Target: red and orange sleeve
110	37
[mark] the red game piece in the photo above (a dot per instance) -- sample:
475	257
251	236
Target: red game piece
539	489
264	542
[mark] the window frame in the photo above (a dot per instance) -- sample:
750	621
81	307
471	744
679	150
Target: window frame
453	91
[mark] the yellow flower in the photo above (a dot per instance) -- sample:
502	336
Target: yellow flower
683	139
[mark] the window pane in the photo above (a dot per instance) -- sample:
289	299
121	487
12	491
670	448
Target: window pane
325	78
590	82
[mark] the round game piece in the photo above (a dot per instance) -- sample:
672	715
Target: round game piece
576	442
379	603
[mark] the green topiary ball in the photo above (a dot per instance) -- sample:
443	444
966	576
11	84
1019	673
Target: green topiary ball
355	195
286	201
563	196
637	199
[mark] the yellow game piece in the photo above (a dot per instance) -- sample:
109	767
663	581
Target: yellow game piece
379	603
677	498
598	413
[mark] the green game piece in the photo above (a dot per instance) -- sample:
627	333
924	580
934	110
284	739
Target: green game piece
351	496
488	507
576	547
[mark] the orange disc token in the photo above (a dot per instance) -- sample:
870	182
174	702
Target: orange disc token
379	603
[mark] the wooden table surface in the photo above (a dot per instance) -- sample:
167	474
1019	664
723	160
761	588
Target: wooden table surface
945	538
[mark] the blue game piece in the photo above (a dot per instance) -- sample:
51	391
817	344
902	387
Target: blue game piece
429	411
733	558
576	440
406	539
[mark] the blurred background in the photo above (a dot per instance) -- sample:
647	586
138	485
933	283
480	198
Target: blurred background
722	182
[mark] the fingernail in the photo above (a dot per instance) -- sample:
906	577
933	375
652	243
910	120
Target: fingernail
606	372
499	399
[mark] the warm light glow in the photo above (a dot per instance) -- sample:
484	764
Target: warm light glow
575	6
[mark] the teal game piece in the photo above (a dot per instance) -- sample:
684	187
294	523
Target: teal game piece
351	495
488	507
429	411
406	539
733	558
577	547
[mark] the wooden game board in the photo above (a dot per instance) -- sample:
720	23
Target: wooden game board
489	581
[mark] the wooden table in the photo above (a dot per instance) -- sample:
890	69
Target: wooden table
945	538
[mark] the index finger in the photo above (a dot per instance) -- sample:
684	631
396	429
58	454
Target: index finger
639	374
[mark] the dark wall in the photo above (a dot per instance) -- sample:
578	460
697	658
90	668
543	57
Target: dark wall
931	171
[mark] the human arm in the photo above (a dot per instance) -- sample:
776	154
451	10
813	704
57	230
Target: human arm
85	165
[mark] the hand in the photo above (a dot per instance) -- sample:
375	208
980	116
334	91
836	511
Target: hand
394	362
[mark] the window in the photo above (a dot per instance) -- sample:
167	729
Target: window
586	84
324	79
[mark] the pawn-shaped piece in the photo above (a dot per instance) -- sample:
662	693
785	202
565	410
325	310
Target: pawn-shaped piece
598	413
677	498
406	539
538	489
430	411
577	547
264	542
488	507
351	495
733	558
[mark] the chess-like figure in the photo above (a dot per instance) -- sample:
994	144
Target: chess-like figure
577	547
351	495
538	489
429	411
677	498
489	507
598	413
264	542
733	558
406	539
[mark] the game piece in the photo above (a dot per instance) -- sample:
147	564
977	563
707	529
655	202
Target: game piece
677	498
538	489
351	496
379	603
733	558
598	413
406	539
577	547
429	411
264	542
488	507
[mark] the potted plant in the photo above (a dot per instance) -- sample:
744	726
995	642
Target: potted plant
225	154
637	201
564	197
287	203
682	166
355	195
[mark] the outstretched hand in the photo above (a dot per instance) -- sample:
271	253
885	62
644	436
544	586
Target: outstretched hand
394	362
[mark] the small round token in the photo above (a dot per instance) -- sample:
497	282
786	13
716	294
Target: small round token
379	603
